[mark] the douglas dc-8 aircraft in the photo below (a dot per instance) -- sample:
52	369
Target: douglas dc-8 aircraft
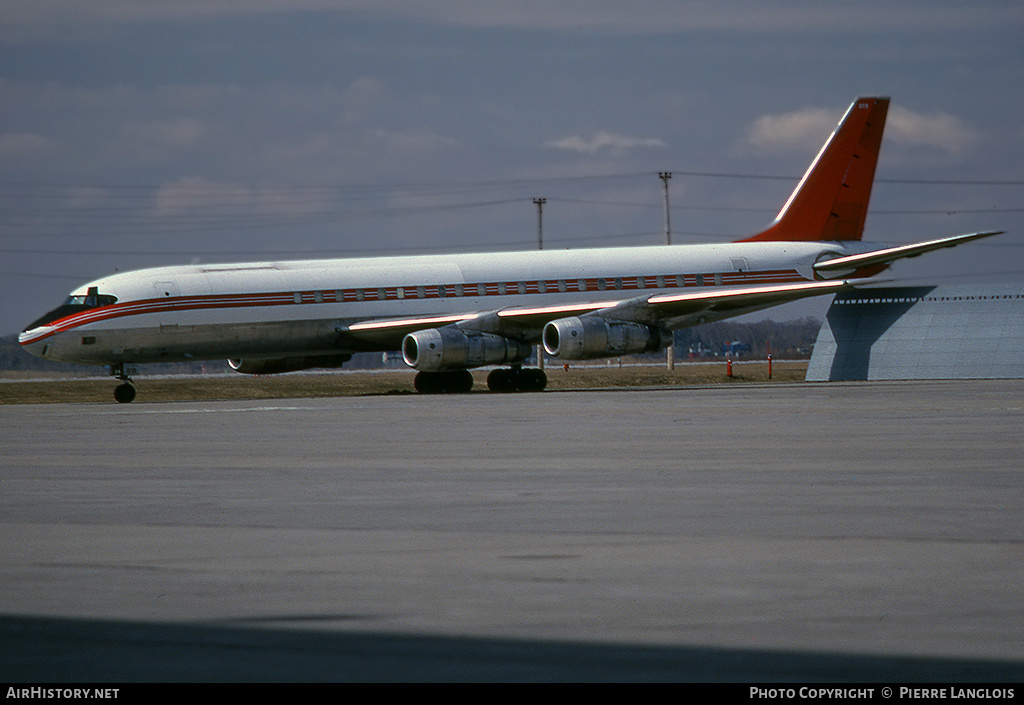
451	313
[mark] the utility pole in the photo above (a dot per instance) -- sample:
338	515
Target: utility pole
540	246
540	221
670	358
665	176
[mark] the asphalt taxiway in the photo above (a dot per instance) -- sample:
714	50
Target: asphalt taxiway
850	532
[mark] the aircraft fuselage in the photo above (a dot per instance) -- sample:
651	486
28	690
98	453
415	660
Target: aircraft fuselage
211	311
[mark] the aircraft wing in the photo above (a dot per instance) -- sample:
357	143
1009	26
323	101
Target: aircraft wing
667	310
891	254
520	322
691	307
392	330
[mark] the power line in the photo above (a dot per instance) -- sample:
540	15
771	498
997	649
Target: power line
136	224
197	222
319	251
445	186
49	210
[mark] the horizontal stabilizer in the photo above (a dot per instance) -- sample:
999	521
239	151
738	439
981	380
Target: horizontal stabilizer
891	254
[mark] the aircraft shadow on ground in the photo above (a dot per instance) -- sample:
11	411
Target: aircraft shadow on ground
58	649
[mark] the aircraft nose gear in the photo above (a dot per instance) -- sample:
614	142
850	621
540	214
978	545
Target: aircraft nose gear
124	393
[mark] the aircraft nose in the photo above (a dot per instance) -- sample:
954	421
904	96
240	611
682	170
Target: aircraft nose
33	340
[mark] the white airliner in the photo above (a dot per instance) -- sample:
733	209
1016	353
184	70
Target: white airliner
450	313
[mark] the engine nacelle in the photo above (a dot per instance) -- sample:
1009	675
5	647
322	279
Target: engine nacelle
453	349
277	365
584	338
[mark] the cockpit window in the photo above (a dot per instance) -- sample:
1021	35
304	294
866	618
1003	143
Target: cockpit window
75	304
90	300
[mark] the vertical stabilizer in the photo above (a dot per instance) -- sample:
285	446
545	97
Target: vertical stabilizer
831	200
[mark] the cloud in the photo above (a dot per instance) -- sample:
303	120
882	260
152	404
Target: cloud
421	142
604	142
808	128
25	144
938	131
88	196
311	146
363	96
158	139
197	198
804	128
195	194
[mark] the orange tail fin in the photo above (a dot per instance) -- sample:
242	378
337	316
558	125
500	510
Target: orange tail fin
831	201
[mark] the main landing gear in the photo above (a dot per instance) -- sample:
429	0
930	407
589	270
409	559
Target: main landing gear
124	393
448	382
516	379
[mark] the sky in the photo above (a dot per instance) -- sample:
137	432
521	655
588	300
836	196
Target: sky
143	133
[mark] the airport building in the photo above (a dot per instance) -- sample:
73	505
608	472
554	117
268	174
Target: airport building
927	332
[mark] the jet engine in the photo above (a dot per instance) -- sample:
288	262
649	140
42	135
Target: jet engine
584	338
451	349
277	365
